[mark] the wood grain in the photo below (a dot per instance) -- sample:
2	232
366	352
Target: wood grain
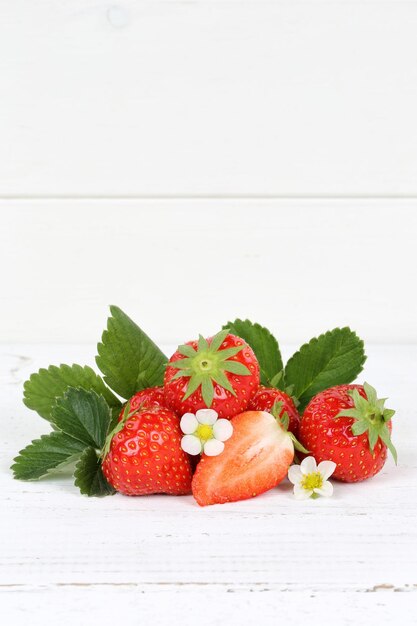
181	267
241	97
328	561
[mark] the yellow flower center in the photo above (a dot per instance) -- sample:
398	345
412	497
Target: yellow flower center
204	432
312	481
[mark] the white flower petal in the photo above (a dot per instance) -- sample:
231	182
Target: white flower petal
326	469
213	447
308	465
325	490
295	474
207	416
302	494
222	430
188	423
191	444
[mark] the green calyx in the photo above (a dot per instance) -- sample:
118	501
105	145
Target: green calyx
278	382
284	420
208	365
370	417
119	426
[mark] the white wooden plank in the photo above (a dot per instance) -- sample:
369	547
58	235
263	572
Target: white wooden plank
162	560
361	540
183	267
202	97
207	606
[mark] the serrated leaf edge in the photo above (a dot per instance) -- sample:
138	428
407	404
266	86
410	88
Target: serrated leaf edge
265	380
315	340
67	461
109	492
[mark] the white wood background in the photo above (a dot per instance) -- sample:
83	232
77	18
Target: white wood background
180	267
208	97
158	560
193	161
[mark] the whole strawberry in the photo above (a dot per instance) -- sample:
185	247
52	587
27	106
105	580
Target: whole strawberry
144	455
268	397
347	424
147	397
221	373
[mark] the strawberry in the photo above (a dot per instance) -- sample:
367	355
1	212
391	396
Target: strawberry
143	454
347	424
256	458
221	373
147	397
267	398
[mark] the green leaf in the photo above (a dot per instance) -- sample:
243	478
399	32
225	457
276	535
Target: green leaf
129	360
335	358
46	454
83	415
264	345
114	418
89	477
44	387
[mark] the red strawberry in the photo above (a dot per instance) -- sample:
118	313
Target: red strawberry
145	456
221	373
266	397
256	458
147	397
350	426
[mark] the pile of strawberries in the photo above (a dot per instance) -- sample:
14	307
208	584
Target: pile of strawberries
222	419
346	424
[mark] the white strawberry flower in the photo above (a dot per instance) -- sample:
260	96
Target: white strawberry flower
204	432
310	479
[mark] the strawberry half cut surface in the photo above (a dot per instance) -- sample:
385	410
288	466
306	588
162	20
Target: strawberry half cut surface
255	459
221	373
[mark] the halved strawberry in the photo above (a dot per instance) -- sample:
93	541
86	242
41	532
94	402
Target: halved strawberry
255	459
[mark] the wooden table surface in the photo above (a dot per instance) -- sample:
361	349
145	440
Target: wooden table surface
66	559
